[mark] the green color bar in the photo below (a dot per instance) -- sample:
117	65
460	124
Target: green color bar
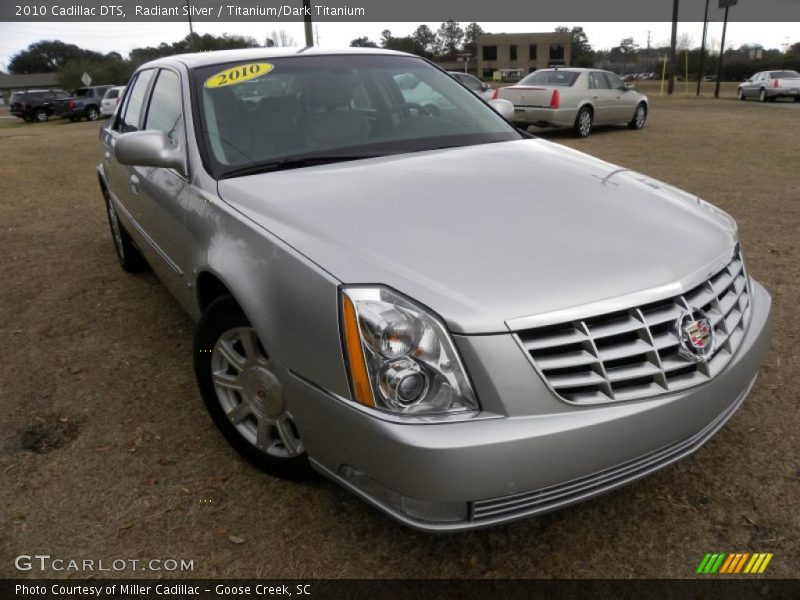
703	563
718	564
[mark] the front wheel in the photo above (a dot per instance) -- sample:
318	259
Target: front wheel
243	395
639	117
740	94
762	95
583	122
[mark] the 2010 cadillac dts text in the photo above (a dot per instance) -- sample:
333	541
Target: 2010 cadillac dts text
380	298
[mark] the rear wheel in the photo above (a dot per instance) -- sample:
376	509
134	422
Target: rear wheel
639	117
583	122
762	95
40	115
92	114
130	259
242	393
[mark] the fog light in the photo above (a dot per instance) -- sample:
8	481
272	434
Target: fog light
426	511
402	381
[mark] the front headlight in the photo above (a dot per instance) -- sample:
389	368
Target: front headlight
400	357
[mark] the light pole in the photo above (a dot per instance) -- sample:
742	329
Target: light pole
702	49
672	44
307	23
726	4
191	29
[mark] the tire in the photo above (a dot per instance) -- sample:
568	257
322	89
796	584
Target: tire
740	94
639	117
92	114
583	122
797	98
252	417
40	115
130	259
762	95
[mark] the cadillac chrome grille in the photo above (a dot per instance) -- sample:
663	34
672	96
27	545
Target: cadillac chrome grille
633	353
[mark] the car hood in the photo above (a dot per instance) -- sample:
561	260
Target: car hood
490	233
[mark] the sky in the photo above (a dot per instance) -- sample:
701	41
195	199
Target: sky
122	37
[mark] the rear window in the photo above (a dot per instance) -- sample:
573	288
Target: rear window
558	78
785	75
82	92
17	97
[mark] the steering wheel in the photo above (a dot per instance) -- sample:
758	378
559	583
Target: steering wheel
408	106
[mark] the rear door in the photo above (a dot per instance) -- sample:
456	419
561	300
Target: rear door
601	94
162	192
752	87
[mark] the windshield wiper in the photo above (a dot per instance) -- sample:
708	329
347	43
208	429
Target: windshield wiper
295	162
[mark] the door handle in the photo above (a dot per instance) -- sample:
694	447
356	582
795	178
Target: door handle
134	184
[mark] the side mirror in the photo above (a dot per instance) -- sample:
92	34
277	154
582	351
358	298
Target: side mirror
148	149
503	107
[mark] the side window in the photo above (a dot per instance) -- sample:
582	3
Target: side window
597	81
129	116
165	112
471	82
614	82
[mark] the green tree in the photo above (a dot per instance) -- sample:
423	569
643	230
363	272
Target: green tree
363	42
471	34
583	54
425	37
450	36
47	56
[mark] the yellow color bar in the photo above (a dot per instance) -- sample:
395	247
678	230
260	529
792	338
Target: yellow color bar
355	355
754	562
765	563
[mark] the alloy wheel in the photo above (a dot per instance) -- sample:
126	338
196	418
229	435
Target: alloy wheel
585	123
92	114
640	117
251	395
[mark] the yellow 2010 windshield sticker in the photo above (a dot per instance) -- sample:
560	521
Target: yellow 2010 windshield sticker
238	74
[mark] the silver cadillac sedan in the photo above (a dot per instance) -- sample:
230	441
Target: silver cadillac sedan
576	98
379	299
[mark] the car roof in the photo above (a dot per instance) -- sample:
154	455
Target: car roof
203	59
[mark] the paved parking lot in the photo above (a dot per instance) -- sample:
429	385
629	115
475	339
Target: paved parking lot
107	451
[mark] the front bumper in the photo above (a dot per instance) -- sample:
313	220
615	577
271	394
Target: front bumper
542	454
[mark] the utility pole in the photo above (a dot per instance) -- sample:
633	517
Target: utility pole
726	4
316	33
649	62
673	43
307	22
191	28
702	49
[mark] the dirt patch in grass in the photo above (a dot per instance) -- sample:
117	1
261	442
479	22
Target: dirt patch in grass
145	474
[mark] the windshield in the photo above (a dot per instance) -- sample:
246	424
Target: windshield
563	78
268	112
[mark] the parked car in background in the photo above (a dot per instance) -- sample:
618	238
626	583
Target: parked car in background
474	85
767	86
83	104
109	102
577	98
379	298
35	105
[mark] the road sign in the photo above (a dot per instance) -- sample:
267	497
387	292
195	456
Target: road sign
727	3
86	79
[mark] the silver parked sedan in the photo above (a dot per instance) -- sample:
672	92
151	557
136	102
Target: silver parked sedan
377	298
768	86
576	98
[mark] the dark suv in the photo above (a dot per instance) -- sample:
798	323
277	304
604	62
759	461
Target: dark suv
84	103
35	105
